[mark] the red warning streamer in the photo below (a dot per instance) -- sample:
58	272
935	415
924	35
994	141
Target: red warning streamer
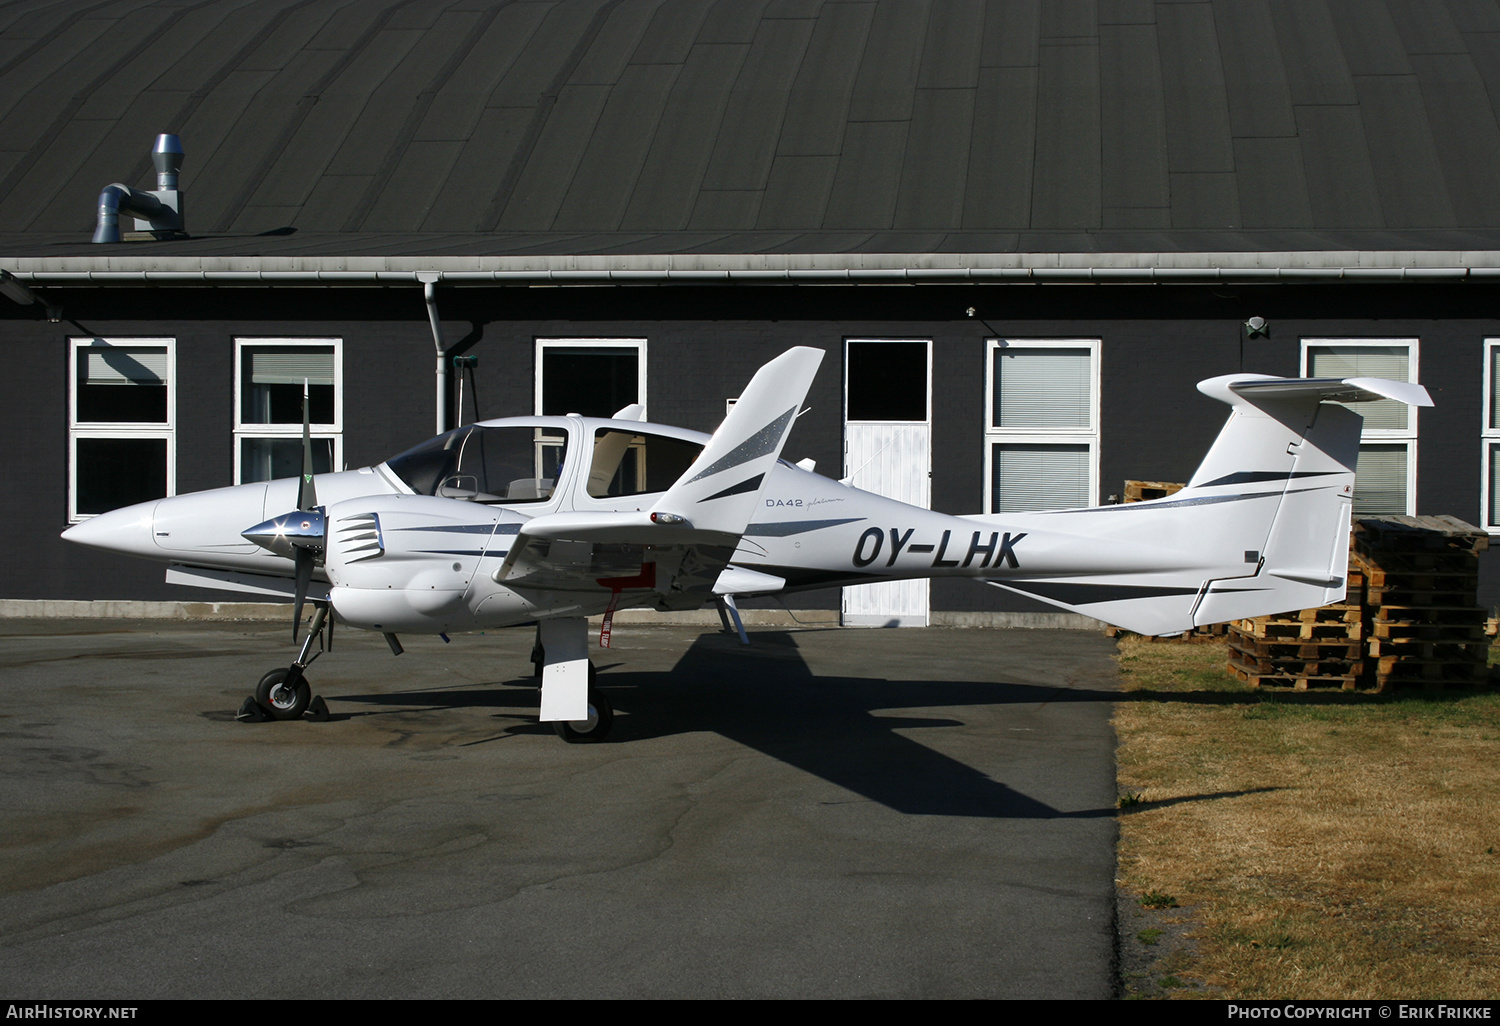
645	579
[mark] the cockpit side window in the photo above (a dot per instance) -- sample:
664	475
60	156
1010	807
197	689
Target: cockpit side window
626	463
484	464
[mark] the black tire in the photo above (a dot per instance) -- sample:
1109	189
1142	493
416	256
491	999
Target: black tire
282	702
593	729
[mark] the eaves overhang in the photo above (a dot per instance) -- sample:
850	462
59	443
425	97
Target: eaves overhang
729	268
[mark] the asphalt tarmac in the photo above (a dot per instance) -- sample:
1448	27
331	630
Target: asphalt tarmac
824	814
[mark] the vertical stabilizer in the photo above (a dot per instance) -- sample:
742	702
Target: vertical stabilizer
721	490
1262	527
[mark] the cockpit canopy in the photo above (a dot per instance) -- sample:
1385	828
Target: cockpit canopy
523	463
485	464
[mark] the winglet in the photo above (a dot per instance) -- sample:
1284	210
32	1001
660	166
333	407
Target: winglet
720	490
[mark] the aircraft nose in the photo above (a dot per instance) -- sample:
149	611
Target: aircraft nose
127	530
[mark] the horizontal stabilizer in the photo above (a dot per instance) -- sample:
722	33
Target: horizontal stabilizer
1342	390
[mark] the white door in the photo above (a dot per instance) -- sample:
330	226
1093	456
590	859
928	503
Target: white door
888	450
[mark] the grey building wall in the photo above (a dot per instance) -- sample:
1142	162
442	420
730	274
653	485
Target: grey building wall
703	344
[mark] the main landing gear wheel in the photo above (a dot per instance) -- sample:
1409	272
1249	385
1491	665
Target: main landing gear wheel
284	701
601	717
595	728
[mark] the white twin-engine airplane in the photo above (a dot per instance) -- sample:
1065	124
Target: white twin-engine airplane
549	520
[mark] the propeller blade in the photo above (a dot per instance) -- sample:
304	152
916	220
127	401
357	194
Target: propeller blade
303	561
307	493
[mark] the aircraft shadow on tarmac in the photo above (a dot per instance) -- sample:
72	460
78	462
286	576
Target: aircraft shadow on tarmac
767	699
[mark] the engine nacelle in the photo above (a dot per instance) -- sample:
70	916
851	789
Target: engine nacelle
410	563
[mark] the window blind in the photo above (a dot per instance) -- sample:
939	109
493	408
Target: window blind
1042	389
1027	477
1366	362
122	366
1380	481
290	366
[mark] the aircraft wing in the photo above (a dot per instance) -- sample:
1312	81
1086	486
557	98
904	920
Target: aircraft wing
679	546
585	558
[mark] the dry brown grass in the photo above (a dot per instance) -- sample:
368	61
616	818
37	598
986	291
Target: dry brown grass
1324	846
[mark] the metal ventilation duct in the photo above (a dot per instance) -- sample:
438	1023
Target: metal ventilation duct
158	212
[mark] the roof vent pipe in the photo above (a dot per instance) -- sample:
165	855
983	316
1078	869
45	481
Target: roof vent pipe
157	213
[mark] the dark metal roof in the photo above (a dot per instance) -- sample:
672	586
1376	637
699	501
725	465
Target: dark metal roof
414	128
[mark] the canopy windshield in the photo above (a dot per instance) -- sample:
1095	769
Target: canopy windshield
485	464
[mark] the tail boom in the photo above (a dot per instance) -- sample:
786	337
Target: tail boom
1262	526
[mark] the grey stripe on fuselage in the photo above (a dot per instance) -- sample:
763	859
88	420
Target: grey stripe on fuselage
784	528
1261	476
464	528
464	552
1088	594
1202	500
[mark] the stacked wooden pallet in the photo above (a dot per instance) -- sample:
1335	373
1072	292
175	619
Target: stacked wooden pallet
1409	617
1425	626
1141	491
1308	648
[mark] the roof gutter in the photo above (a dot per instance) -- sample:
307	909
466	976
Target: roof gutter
904	276
768	269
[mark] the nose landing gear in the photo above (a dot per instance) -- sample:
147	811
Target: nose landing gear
284	694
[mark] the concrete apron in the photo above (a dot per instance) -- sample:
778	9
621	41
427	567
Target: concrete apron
826	813
143	610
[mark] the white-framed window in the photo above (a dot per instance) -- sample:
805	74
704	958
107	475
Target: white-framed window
121	415
595	377
1386	475
269	376
1041	424
1490	438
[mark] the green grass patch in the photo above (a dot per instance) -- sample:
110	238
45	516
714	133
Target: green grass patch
1156	899
1343	841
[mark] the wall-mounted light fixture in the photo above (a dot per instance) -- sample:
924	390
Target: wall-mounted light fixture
1256	327
13	289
